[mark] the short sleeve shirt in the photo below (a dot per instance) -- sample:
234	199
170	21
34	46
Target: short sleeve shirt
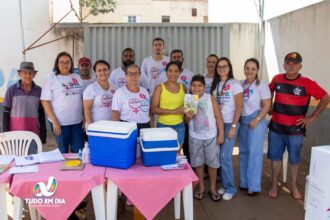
133	107
102	101
226	98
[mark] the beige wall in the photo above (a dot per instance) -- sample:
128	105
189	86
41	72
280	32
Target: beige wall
151	11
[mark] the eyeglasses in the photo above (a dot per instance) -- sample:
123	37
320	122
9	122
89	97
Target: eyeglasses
222	67
135	74
64	63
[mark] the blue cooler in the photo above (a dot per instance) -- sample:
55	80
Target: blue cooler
112	143
158	146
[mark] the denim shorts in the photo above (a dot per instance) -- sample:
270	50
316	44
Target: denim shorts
278	142
179	128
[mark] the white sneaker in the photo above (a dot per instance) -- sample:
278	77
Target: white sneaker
221	191
227	196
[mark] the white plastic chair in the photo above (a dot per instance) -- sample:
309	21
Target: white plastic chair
16	143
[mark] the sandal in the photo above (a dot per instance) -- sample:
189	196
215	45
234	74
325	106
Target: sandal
199	195
274	194
214	196
297	195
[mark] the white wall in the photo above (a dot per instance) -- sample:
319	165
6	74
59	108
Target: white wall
36	20
244	44
307	31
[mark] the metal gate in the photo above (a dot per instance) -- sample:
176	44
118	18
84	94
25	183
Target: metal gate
195	40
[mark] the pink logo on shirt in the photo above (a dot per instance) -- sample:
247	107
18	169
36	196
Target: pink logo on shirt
135	104
142	96
164	63
113	91
154	72
183	78
227	87
106	100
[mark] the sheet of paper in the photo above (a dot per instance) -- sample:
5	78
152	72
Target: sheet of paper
25	169
51	156
27	160
6	159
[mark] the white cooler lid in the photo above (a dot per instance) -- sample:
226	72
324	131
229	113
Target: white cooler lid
112	127
158	134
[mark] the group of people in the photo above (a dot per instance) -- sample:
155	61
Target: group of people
153	96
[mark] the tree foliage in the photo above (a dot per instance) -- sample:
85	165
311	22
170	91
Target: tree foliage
96	7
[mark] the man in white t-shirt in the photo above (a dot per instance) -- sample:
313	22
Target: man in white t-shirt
85	66
154	66
185	75
117	76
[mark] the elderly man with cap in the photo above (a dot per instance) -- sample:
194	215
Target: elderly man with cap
85	66
22	109
289	120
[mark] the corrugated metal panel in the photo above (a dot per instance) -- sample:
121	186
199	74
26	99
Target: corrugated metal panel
195	40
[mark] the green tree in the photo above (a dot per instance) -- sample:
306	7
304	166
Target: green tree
96	7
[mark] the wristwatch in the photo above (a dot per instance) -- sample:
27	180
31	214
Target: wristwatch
233	125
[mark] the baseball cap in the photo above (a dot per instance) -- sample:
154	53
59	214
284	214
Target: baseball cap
293	57
83	60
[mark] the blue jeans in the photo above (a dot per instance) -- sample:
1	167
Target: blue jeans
226	154
251	142
71	135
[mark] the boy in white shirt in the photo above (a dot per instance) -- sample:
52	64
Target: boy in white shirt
206	133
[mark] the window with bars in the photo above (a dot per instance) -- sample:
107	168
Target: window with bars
131	19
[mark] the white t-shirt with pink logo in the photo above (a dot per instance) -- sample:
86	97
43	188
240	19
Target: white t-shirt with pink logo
132	106
226	99
152	70
253	95
65	96
102	100
118	78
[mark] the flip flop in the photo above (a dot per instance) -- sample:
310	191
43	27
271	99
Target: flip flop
214	196
199	195
297	195
274	194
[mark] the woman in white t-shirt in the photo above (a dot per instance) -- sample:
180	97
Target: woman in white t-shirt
98	95
131	102
61	97
229	94
211	60
253	127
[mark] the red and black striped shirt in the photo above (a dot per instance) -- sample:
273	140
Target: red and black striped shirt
291	102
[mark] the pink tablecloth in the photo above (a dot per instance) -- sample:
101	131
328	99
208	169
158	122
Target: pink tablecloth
72	187
150	188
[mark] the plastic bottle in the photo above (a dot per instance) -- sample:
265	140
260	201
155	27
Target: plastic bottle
85	153
80	154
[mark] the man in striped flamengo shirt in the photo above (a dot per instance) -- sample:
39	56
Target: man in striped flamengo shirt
289	121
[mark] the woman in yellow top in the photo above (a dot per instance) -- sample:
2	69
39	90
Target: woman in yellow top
167	102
